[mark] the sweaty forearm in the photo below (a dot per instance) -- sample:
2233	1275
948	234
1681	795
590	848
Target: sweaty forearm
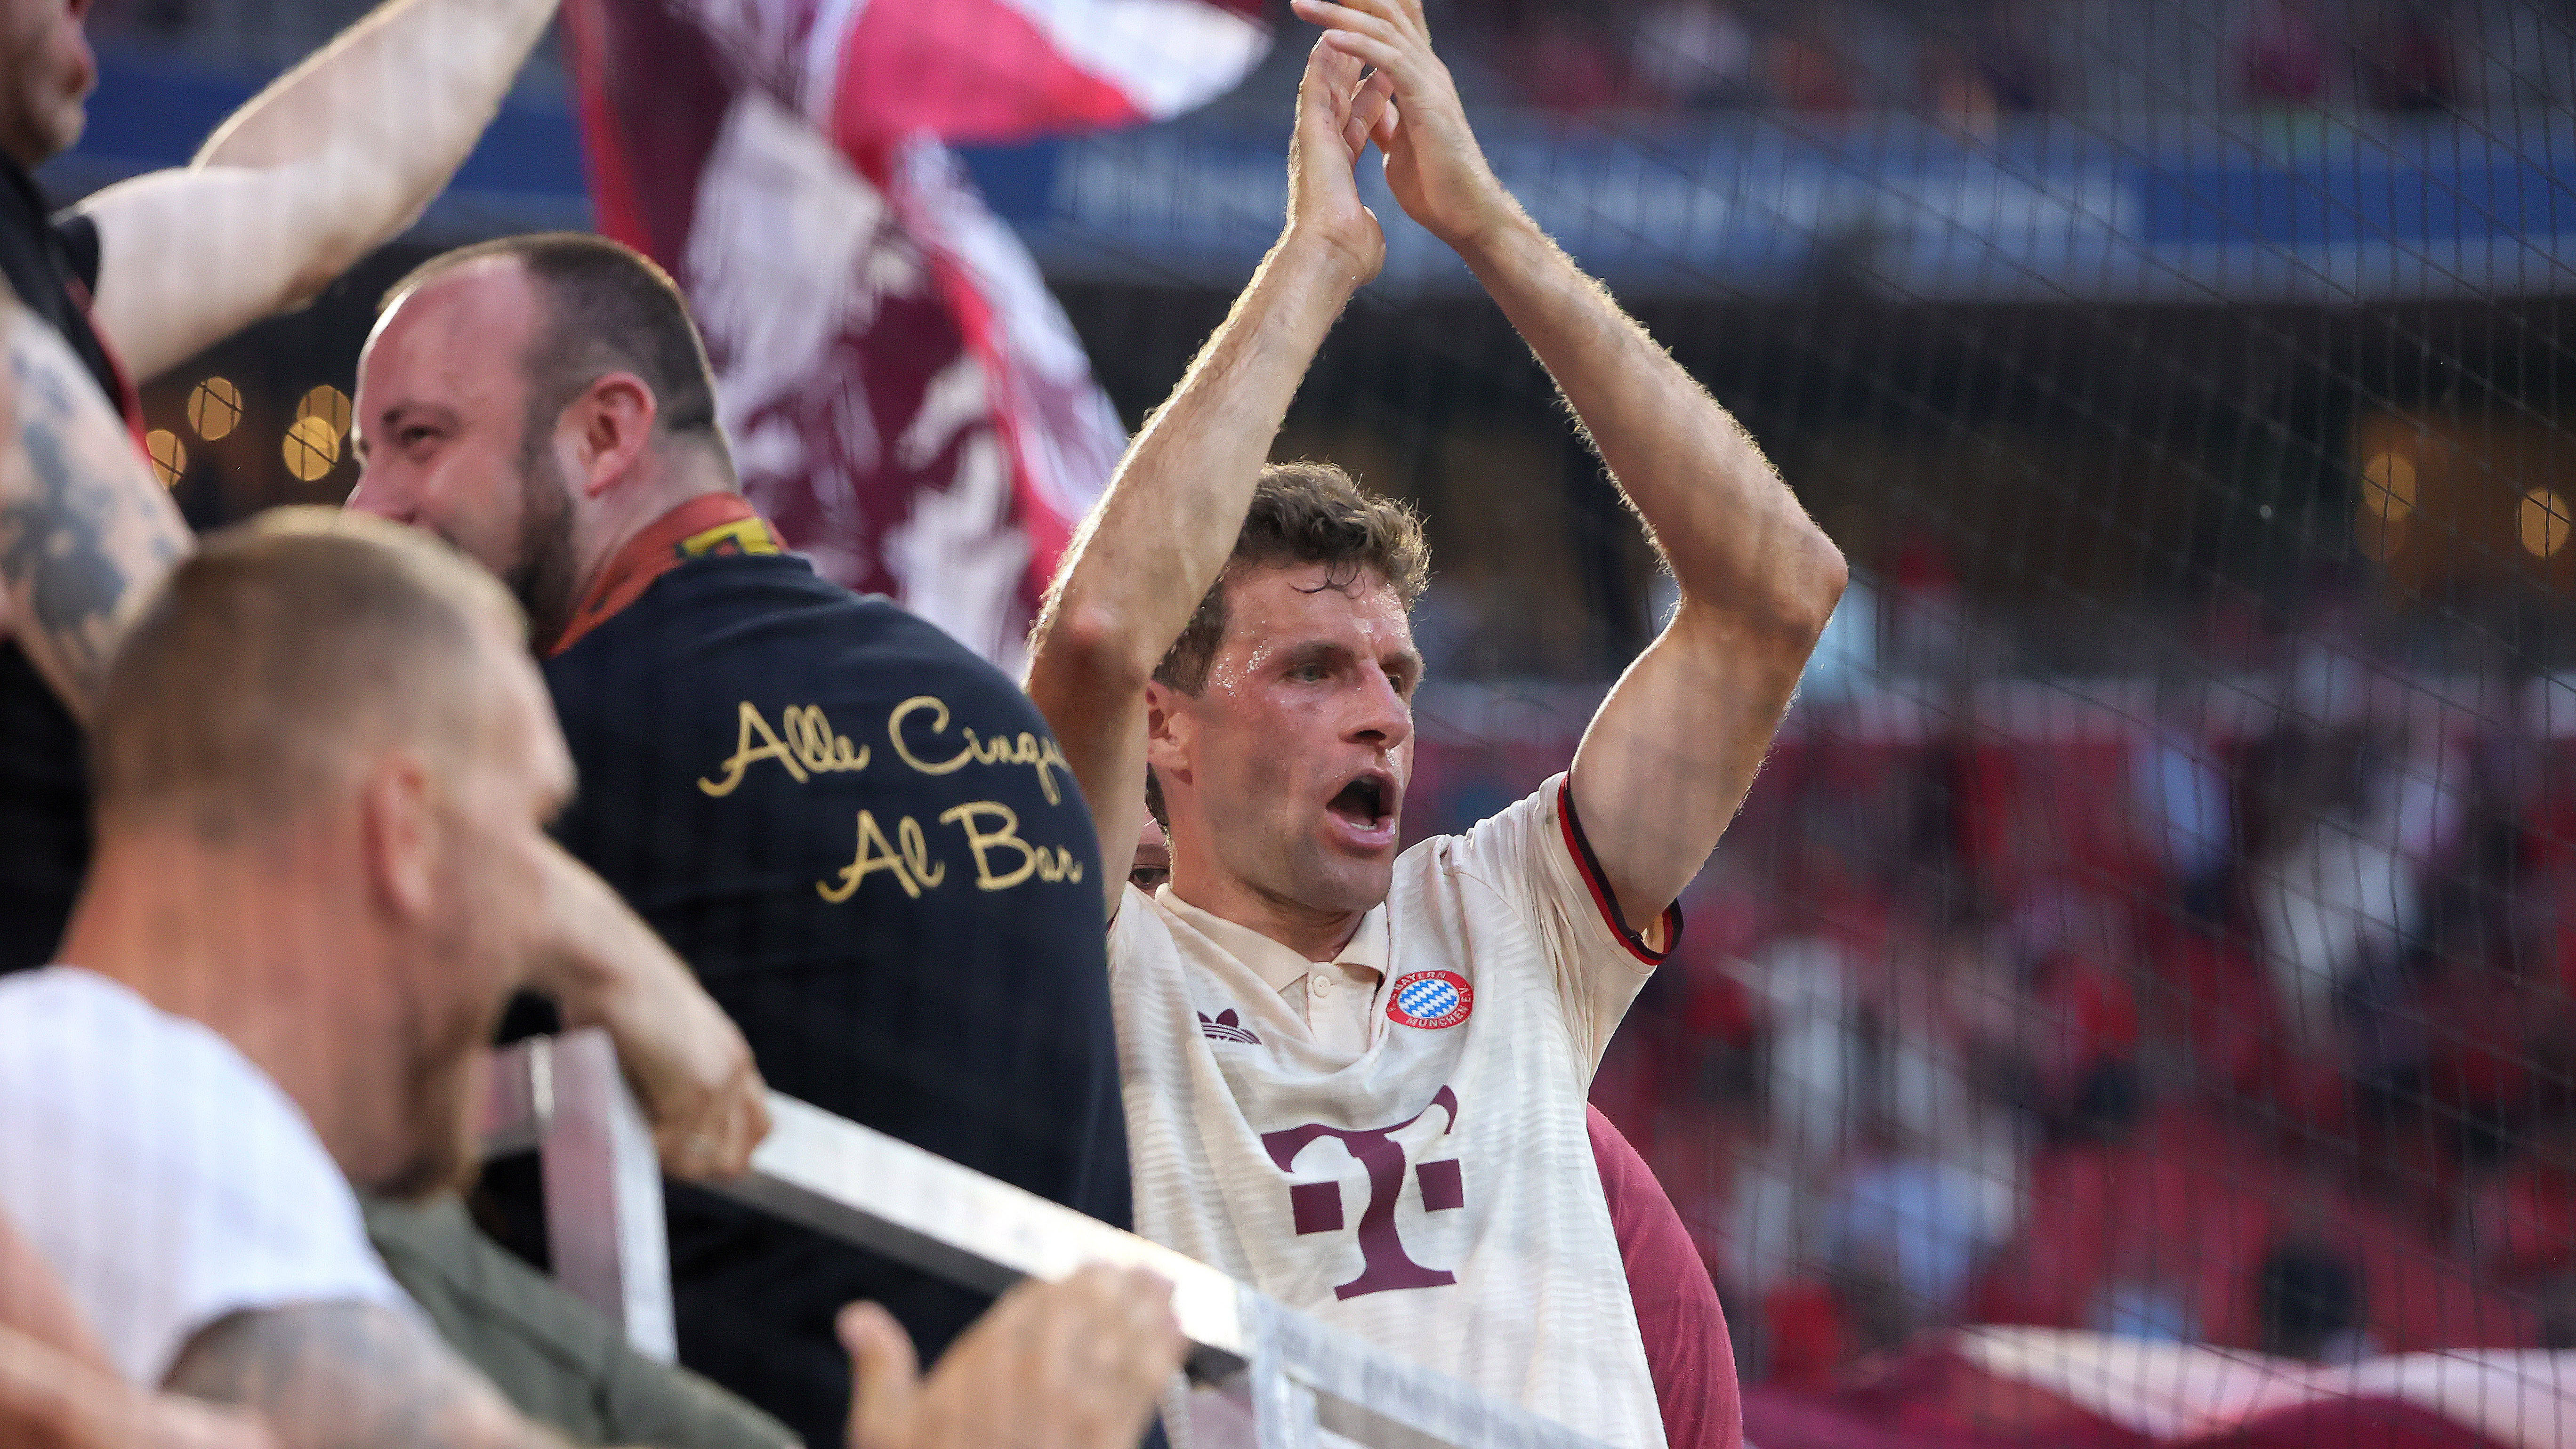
397	99
1734	534
1165	528
331	161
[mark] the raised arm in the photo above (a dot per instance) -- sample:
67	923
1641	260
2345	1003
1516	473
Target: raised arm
1159	537
328	163
85	528
1667	760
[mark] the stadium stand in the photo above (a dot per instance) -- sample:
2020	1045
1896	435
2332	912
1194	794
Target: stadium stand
2154	919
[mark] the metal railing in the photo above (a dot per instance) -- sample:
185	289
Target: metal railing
1263	1373
563	1096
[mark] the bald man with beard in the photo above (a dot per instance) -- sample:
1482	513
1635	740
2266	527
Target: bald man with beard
861	836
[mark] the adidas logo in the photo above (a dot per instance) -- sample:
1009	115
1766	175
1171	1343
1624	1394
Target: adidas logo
1226	1027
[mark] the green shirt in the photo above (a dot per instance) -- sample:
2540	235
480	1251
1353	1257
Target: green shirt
550	1354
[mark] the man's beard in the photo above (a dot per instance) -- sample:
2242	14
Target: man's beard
543	576
448	1066
446	1036
446	1099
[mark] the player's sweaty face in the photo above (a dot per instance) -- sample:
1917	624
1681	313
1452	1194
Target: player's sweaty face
1301	744
441	422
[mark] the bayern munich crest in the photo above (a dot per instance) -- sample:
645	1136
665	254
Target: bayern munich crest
1430	999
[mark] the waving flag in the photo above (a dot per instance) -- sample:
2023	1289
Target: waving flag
906	400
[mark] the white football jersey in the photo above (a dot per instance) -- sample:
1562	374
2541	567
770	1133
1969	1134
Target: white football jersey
1432	1190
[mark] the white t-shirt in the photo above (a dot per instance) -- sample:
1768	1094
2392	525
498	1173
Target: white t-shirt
165	1178
1428	1185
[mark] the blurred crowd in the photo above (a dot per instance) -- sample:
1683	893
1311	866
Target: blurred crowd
2234	1009
1964	62
1971	61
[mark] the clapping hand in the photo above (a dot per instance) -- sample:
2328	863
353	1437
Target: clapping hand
1337	111
1433	164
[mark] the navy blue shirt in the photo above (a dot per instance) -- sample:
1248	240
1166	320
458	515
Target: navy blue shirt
866	841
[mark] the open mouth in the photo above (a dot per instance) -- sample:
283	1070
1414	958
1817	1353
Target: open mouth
1367	801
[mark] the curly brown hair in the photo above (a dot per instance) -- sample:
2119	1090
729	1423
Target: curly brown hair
1305	512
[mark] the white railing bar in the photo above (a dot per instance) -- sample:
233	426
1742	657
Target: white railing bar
1285	1413
1304	1382
1374	1397
597	1149
520	1097
863	1186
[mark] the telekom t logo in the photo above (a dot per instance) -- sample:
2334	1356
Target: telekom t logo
1384	1264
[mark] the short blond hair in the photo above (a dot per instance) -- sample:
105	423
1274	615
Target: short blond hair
277	654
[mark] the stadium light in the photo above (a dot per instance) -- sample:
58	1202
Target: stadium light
330	405
2388	485
312	449
169	455
2543	522
214	408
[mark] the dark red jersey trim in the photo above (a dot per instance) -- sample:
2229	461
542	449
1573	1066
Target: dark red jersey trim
1580	847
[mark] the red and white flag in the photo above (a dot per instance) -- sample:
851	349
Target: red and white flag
906	401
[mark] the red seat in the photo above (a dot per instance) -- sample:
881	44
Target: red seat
2420	1298
2527	1224
2351	1424
2227	1012
2050	1273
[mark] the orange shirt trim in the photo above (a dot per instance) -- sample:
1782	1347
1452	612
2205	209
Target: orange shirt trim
717	523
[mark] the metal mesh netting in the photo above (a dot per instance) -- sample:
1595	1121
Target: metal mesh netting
2150	920
2153	919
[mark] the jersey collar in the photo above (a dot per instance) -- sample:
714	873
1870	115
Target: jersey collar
1274	963
709	523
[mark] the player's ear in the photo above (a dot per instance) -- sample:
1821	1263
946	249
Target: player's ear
612	423
1167	729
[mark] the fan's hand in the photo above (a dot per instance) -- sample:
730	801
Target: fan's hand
691	1069
1070	1365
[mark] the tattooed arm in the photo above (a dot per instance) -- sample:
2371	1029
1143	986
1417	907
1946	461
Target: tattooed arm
59	1391
50	1399
349	1376
86	530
